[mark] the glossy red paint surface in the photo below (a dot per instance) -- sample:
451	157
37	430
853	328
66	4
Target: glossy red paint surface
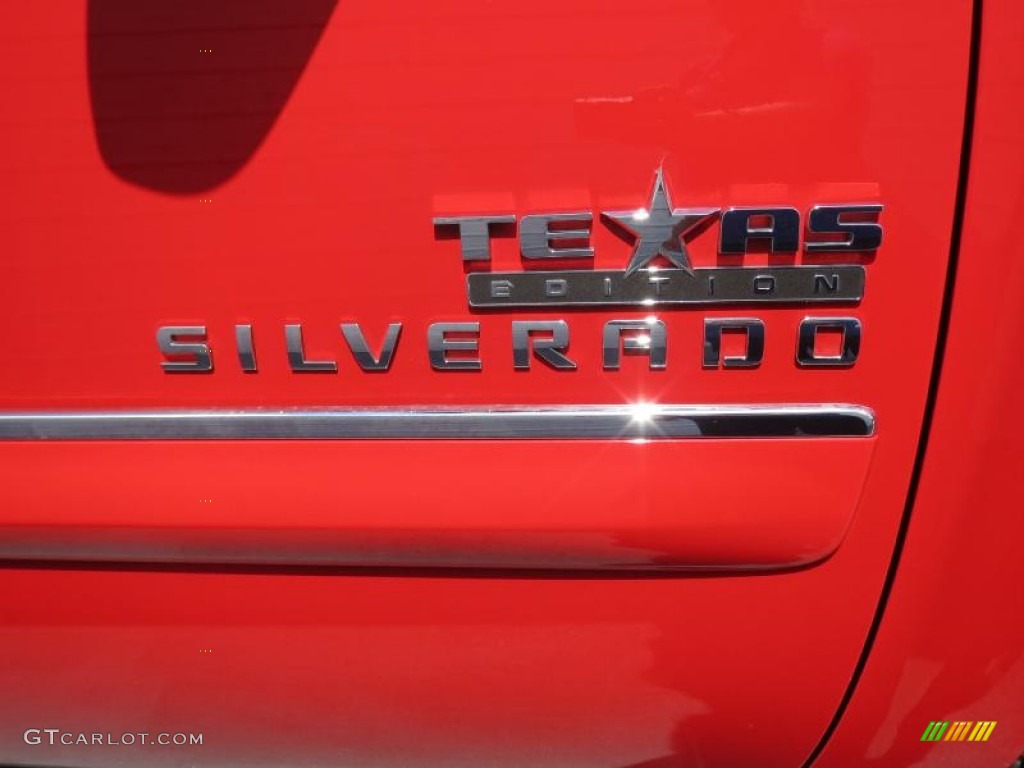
951	643
114	224
330	220
487	519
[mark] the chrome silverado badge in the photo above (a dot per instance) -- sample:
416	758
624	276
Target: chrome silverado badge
658	233
661	231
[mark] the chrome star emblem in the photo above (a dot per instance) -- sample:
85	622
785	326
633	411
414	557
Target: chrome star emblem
659	231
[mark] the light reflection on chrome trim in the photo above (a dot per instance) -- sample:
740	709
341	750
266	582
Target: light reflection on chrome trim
628	422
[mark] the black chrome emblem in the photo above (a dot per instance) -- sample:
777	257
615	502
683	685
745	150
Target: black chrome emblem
661	231
658	233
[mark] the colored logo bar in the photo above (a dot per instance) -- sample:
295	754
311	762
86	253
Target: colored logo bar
960	730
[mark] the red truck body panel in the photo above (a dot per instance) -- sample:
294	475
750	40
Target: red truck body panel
950	643
507	602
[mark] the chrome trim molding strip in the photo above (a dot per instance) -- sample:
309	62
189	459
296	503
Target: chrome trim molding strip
631	422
